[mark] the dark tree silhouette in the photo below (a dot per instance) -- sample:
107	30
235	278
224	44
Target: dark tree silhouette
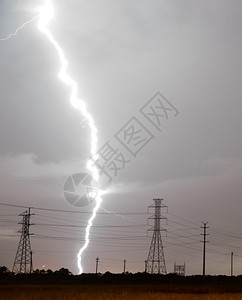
4	270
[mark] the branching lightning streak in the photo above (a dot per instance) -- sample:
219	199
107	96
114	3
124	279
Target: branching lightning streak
112	212
45	16
18	29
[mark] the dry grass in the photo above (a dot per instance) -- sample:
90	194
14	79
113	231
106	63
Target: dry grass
60	292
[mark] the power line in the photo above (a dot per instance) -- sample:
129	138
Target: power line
73	211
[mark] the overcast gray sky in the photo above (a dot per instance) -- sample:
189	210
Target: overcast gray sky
121	53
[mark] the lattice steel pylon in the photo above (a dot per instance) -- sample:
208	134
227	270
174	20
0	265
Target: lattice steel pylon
156	259
23	259
180	269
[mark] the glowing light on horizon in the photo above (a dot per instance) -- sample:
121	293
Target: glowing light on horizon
45	16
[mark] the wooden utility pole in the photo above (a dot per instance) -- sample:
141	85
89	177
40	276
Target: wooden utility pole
145	266
125	265
97	260
204	244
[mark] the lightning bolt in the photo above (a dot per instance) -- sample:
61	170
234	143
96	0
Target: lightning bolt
45	16
18	29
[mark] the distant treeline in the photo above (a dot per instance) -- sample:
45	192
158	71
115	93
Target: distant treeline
64	276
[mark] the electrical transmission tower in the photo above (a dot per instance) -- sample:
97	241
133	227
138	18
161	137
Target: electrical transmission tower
156	259
23	259
179	269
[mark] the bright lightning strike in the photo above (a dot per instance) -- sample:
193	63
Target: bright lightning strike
45	16
18	29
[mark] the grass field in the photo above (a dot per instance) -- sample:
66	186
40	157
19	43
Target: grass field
106	292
